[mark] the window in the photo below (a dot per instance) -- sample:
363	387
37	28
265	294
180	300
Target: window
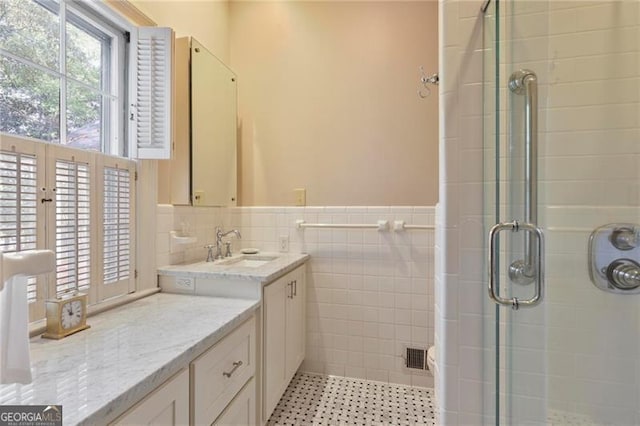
18	190
116	243
61	75
73	225
21	212
18	208
77	203
116	220
63	69
68	69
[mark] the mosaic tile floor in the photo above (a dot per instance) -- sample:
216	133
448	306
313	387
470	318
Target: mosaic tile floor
314	399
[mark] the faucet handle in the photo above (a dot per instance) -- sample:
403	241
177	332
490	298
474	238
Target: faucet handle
210	256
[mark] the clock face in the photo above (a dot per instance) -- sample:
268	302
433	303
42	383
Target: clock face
71	314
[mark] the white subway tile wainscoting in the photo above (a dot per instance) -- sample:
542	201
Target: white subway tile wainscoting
370	292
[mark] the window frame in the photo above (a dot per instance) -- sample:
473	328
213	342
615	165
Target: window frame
46	156
128	150
92	18
114	289
54	154
144	132
119	30
38	150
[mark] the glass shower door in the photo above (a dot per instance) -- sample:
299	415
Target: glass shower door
562	150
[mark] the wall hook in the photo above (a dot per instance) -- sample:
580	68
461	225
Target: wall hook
426	80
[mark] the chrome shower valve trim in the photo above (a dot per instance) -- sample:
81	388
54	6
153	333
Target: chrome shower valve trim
614	257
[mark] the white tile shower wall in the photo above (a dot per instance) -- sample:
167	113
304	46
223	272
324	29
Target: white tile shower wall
370	293
590	178
460	290
588	58
592	337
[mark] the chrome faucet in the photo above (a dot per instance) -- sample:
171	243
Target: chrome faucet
220	234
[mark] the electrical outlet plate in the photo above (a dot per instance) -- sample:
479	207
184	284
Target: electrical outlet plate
198	198
283	243
301	196
185	283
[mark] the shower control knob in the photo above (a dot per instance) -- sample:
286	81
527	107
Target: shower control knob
624	274
624	238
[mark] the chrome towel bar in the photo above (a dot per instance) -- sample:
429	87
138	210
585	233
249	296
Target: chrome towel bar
381	225
400	225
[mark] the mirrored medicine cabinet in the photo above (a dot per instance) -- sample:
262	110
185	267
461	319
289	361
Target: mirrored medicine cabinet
203	167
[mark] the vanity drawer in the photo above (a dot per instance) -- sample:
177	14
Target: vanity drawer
219	374
242	410
166	405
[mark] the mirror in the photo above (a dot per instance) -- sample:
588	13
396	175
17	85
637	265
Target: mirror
203	167
213	129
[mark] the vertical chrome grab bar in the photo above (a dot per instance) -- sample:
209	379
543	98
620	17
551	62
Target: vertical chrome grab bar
514	302
525	82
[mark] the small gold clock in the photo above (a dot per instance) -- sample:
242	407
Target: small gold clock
66	315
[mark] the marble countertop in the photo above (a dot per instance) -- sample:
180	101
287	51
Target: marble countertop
99	373
265	274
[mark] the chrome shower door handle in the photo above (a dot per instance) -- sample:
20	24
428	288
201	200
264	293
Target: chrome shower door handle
514	302
525	82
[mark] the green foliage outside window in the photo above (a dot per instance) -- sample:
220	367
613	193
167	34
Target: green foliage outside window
30	96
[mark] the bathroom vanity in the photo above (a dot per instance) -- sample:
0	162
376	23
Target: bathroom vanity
139	355
218	387
183	358
278	280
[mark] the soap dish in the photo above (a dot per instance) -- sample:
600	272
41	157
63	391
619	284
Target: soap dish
249	251
177	241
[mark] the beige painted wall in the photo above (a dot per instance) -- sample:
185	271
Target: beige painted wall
327	96
205	20
327	101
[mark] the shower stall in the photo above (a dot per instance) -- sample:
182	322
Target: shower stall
561	189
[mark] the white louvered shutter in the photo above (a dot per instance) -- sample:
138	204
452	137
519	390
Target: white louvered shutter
118	237
19	207
73	225
150	87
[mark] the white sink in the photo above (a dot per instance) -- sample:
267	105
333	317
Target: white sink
241	276
248	261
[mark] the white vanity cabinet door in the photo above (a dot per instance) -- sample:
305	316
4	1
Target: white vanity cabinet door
167	405
242	410
295	324
284	335
221	372
275	368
